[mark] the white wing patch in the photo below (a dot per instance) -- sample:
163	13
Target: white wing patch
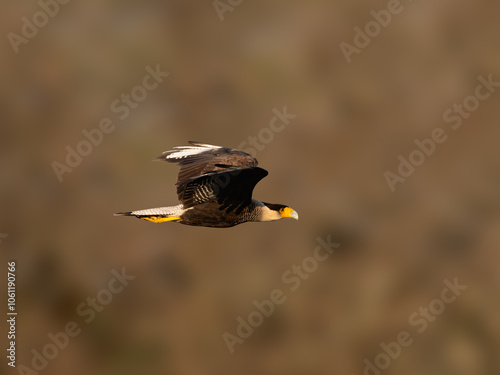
185	153
181	152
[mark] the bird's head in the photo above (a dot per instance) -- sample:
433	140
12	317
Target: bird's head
277	211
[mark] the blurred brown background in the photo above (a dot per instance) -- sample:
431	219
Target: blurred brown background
353	121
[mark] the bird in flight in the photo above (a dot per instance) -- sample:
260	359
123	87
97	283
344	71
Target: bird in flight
214	187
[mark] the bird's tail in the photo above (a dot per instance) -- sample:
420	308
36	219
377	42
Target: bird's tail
156	215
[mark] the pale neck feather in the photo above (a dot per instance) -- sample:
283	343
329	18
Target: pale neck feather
269	215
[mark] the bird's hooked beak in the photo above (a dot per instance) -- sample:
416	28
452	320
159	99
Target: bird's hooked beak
289	212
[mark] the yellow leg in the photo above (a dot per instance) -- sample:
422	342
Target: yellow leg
160	219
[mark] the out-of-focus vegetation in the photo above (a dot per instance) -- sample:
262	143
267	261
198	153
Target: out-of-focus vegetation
353	121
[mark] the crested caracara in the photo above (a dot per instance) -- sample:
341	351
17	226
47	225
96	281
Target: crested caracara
214	187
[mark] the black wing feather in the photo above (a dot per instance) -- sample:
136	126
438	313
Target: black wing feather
205	159
231	188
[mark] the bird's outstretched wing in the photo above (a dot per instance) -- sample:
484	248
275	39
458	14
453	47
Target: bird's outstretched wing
199	159
231	188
